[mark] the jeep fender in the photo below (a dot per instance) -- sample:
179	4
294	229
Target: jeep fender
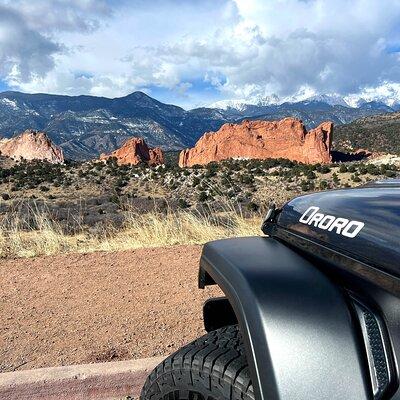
301	339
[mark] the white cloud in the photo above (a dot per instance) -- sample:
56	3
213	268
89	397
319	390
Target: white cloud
24	52
241	48
61	15
387	92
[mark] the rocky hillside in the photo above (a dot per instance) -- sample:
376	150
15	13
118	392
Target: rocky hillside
379	133
85	126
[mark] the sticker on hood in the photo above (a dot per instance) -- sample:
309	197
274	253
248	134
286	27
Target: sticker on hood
330	223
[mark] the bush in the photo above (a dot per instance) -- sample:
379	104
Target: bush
362	169
323	185
343	169
355	178
310	175
351	169
390	174
203	196
5	196
253	206
335	178
306	186
325	169
182	203
373	169
246	179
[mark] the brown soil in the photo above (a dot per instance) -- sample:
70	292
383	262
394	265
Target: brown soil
84	308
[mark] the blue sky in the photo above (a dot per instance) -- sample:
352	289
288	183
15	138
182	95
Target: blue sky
3	86
193	53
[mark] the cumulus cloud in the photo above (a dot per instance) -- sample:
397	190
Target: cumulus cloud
28	41
61	15
232	48
24	52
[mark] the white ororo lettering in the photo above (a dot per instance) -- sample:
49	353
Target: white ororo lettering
308	214
339	225
353	229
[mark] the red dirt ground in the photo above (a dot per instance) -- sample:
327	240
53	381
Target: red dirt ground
82	308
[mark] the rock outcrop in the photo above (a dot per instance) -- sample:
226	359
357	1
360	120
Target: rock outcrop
31	145
135	151
287	138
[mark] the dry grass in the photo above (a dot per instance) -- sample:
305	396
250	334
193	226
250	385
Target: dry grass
36	233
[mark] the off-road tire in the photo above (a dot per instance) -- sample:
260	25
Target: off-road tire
212	367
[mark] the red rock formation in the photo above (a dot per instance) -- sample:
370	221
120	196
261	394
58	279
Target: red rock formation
287	138
134	151
31	145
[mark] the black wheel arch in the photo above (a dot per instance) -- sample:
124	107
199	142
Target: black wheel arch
300	336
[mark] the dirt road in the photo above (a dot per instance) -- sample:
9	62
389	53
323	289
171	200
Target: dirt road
96	307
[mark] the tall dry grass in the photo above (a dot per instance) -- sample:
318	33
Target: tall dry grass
36	233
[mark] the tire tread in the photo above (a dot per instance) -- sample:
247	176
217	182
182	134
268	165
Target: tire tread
215	363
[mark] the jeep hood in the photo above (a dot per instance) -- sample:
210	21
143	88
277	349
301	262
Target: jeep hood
372	233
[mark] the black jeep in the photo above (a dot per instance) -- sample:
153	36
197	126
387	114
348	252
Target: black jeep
312	310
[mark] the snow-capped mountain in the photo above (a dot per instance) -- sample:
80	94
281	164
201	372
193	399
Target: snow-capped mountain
85	126
331	99
243	104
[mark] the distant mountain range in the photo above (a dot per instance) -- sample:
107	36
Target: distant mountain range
85	126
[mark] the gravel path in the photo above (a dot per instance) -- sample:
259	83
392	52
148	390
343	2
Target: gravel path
84	308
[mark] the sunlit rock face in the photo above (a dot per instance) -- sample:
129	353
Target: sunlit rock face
32	145
287	138
135	151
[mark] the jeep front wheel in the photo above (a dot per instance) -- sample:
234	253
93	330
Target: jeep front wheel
212	367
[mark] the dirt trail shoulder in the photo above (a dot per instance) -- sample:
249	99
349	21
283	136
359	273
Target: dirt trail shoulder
84	308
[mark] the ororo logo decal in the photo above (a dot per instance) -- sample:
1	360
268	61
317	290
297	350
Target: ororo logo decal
341	226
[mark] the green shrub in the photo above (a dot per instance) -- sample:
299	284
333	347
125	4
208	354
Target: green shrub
310	175
323	185
203	196
356	178
351	168
325	169
390	174
182	203
253	206
336	179
246	179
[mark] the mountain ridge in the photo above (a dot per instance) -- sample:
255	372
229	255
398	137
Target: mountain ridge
85	126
